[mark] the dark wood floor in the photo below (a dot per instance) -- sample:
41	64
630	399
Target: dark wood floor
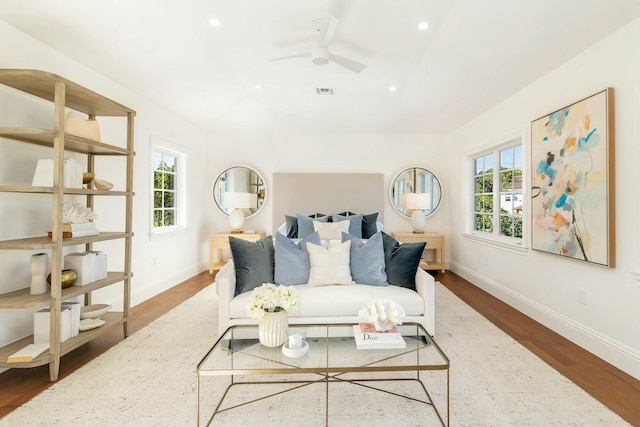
617	390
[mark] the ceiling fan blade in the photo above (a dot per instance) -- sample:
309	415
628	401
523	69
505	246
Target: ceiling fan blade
329	29
347	63
297	55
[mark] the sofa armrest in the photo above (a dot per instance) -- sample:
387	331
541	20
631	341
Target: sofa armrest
425	286
225	288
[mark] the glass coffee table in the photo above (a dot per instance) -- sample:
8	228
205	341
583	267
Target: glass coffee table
239	360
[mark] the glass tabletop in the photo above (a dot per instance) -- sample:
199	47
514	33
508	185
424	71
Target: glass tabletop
332	348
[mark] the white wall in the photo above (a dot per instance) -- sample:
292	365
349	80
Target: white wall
157	263
546	286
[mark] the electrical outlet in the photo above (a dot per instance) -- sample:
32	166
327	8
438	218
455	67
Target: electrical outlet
582	296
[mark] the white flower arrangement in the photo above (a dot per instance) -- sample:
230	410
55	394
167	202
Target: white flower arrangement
384	314
77	213
271	298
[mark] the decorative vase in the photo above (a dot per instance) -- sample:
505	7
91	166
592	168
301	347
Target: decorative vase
272	328
39	268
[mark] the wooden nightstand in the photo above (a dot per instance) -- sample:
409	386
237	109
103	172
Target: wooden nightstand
220	241
435	244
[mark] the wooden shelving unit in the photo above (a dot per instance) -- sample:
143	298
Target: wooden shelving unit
65	94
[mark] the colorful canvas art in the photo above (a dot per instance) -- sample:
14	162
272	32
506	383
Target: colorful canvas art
571	181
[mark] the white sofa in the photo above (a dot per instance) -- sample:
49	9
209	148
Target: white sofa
330	304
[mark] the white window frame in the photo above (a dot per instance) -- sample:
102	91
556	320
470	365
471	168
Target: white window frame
166	147
495	238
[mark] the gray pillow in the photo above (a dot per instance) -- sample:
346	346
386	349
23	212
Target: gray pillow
292	259
367	260
291	226
305	224
253	262
401	261
355	223
369	225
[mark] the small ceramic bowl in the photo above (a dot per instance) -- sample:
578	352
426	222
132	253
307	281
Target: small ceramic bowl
94	311
295	352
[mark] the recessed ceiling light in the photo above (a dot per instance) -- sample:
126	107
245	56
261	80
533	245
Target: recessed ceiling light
392	89
215	22
423	25
258	87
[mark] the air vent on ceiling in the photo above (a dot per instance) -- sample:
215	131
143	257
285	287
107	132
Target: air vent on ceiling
325	90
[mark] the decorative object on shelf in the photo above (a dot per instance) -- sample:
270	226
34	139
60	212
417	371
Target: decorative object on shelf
68	276
238	202
77	213
417	203
39	268
101	184
384	314
87	177
269	303
94	311
72	177
76	124
87	324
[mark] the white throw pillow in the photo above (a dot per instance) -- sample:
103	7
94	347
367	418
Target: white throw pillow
330	265
331	230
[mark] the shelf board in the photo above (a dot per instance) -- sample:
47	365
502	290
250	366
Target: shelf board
73	143
37	243
112	320
42	84
22	298
50	190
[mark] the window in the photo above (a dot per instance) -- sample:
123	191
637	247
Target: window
168	182
497	195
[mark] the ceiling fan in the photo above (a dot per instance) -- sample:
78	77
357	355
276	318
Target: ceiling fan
320	55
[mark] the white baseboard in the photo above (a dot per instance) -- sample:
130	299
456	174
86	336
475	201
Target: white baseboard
610	350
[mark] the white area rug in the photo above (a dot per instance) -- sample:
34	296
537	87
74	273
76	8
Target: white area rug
149	380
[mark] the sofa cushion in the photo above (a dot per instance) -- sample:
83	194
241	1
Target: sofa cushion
329	265
367	260
334	301
291	226
401	261
369	225
305	224
355	223
331	230
253	262
292	259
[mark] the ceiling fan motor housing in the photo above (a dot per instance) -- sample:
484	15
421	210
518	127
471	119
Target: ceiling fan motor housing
320	56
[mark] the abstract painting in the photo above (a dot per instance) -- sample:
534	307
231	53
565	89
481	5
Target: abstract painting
572	181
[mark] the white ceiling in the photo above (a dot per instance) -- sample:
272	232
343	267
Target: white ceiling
475	54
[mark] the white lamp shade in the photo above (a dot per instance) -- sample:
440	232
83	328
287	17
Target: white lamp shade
418	201
238	200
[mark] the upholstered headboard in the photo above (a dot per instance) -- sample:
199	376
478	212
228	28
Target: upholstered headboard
327	193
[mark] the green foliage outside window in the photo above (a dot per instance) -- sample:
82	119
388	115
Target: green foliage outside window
164	185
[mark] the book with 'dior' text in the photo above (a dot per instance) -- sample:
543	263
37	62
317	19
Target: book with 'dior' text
367	337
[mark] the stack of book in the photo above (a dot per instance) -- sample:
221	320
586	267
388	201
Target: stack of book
367	338
83	229
69	323
89	266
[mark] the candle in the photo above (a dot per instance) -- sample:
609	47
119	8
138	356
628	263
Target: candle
295	341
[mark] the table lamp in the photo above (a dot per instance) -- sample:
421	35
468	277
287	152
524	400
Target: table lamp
237	202
417	202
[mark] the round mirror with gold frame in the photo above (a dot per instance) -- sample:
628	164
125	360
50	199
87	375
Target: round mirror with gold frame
243	180
415	180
